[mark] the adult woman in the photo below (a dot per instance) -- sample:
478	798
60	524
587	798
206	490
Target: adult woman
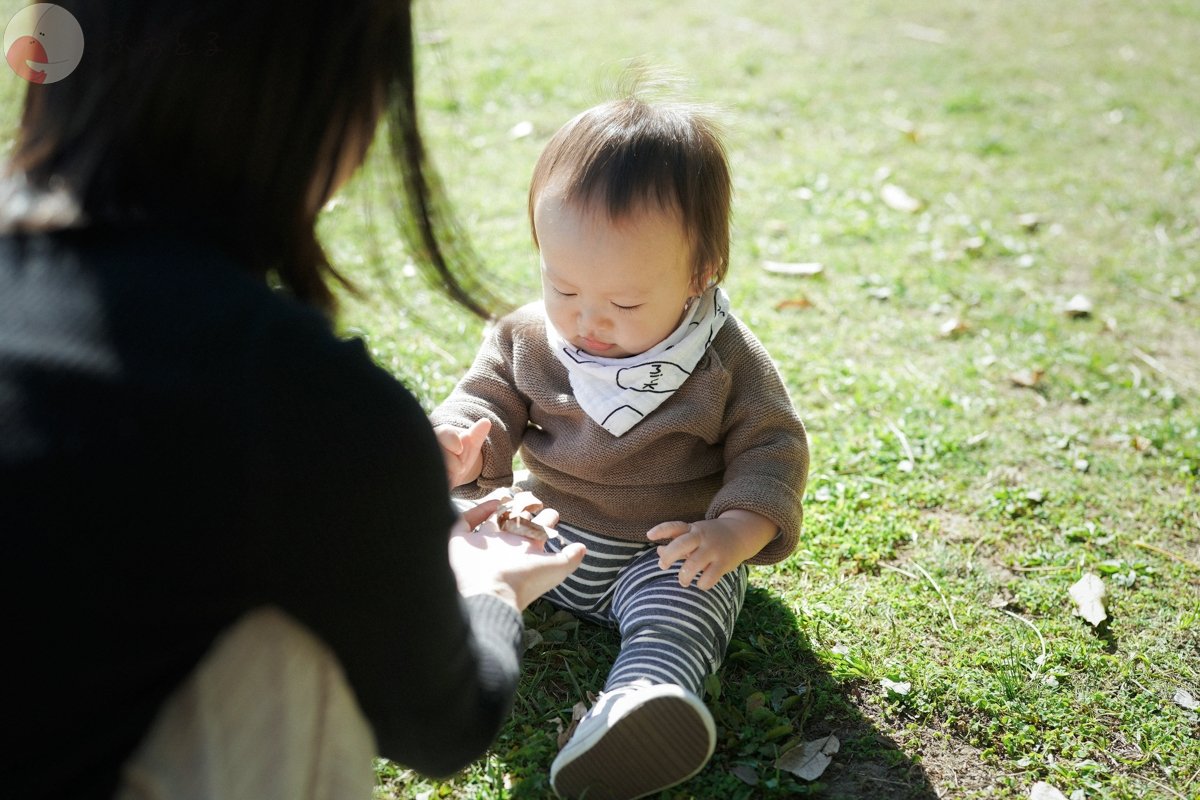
213	508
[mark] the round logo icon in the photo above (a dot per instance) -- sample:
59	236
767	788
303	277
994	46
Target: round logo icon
43	43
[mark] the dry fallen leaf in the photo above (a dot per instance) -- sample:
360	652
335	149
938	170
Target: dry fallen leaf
899	200
809	760
806	269
923	33
746	774
1088	593
1078	306
953	327
578	712
1002	600
797	303
516	516
905	126
1044	791
1026	378
1183	698
1029	221
775	227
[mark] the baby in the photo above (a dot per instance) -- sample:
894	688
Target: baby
649	416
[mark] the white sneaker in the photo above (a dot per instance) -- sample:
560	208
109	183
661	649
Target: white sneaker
635	741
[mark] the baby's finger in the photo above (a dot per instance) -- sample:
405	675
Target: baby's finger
668	530
690	569
709	578
676	550
547	518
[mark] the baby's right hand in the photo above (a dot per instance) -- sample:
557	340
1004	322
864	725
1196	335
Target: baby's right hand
462	450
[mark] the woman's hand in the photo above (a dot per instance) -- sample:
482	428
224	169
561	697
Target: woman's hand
462	450
515	569
712	547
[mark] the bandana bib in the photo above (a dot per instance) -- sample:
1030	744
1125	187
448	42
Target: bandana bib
618	393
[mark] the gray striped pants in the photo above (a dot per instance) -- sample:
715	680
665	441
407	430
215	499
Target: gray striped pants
669	633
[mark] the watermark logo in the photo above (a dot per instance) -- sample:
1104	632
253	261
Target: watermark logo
43	43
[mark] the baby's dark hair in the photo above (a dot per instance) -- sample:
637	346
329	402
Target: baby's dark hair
628	152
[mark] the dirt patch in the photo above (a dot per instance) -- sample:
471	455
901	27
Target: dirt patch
881	758
953	766
951	526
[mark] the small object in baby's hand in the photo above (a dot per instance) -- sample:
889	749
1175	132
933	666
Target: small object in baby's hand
516	516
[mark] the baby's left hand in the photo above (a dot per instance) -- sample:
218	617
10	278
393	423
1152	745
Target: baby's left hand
712	547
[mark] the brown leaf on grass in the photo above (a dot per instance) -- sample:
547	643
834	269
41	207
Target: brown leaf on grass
578	712
807	269
775	228
1029	221
746	774
953	327
1088	593
897	199
905	126
1044	791
923	33
794	303
1078	306
1183	698
1002	600
1026	378
809	760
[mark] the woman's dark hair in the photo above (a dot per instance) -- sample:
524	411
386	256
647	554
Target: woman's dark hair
230	118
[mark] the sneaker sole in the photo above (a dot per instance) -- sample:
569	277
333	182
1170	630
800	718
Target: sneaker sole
661	743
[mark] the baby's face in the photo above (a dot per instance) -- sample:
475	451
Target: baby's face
612	289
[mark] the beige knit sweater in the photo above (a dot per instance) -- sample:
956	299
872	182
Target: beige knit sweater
728	438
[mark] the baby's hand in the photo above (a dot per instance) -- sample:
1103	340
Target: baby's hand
462	450
712	547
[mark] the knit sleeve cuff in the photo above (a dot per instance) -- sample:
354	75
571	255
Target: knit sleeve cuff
773	499
494	615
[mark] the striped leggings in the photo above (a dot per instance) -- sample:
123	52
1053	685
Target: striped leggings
669	633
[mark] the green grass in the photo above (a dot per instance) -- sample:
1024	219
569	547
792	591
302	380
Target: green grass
939	487
948	509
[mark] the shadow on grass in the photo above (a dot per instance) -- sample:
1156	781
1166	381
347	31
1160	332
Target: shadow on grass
772	694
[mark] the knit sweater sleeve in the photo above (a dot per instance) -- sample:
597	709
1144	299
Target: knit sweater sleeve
488	390
766	447
357	552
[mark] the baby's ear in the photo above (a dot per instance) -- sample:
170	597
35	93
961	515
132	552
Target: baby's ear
701	282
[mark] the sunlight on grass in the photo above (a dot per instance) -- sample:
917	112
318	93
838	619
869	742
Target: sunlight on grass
964	426
976	448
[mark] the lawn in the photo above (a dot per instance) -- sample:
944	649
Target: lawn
994	343
980	442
